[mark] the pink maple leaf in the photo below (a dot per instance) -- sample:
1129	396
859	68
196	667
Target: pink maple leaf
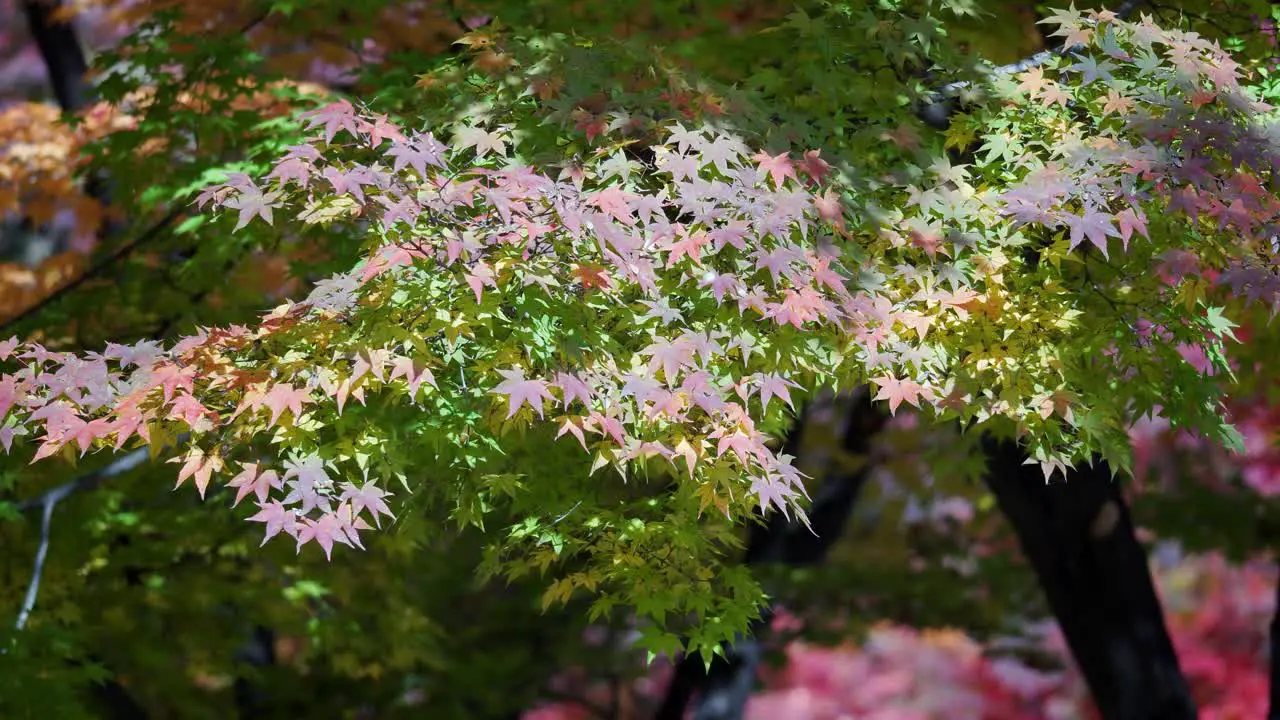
250	480
778	166
295	169
521	390
771	493
896	391
413	372
276	517
1129	220
572	426
200	467
308	476
613	200
351	524
572	387
253	203
669	355
814	166
1092	224
381	129
283	396
334	117
369	496
775	386
480	276
325	532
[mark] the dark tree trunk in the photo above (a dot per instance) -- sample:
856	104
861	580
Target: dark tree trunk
721	693
1079	538
64	59
258	652
61	52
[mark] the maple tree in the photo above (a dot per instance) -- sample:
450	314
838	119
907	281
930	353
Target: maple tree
545	235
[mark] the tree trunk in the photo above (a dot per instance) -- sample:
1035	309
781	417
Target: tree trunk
1079	539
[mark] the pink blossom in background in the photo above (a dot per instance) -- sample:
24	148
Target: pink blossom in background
1218	615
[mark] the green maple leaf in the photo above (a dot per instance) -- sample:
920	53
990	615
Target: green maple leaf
1219	324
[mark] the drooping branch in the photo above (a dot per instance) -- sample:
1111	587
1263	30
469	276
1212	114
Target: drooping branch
721	693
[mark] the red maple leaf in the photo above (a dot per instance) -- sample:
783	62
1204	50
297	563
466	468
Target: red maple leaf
814	166
592	276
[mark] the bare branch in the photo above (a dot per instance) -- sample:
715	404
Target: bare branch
90	480
48	501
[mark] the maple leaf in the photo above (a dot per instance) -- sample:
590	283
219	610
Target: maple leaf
417	153
896	391
592	276
1031	81
276	517
684	138
573	388
814	166
719	152
521	390
366	497
283	396
381	129
572	426
480	276
335	116
199	466
591	124
773	385
830	208
481	140
772	493
307	478
253	203
778	166
669	355
413	372
325	532
251	480
613	200
351	524
1131	219
1092	224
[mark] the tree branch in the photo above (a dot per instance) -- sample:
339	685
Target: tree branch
90	480
100	267
938	111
